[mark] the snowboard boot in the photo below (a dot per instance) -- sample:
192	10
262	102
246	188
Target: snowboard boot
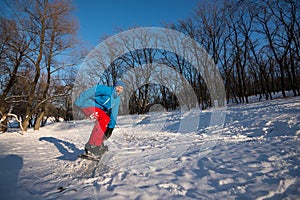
95	150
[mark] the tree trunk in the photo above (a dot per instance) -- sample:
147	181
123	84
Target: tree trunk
282	79
3	124
25	123
38	121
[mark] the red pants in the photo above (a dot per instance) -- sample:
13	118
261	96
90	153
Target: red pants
97	135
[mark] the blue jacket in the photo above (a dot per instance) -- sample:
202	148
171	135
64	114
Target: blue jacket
103	97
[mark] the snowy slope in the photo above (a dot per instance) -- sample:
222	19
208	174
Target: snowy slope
254	156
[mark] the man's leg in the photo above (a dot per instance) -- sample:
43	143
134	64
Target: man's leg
97	135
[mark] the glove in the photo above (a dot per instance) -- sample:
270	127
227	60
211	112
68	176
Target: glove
108	132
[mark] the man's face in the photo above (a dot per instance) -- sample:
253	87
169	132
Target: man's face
119	89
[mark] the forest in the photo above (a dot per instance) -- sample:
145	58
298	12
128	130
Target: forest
255	45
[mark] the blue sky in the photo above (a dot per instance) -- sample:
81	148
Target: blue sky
103	17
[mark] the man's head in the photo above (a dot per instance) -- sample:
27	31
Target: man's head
120	86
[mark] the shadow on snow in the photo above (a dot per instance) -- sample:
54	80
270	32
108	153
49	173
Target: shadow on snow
10	167
68	150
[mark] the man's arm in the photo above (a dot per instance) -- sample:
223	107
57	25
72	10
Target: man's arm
114	114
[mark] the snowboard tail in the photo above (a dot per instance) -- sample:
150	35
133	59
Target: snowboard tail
89	157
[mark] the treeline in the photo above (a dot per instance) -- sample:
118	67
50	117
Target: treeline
155	77
255	45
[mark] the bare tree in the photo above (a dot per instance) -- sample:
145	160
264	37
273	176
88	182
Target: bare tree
59	38
44	31
14	47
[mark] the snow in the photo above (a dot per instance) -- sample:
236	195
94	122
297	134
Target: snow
255	155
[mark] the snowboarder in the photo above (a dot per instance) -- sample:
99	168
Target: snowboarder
101	103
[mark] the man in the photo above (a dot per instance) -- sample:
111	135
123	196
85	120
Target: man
100	102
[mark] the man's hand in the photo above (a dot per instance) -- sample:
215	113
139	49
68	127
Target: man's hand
108	132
